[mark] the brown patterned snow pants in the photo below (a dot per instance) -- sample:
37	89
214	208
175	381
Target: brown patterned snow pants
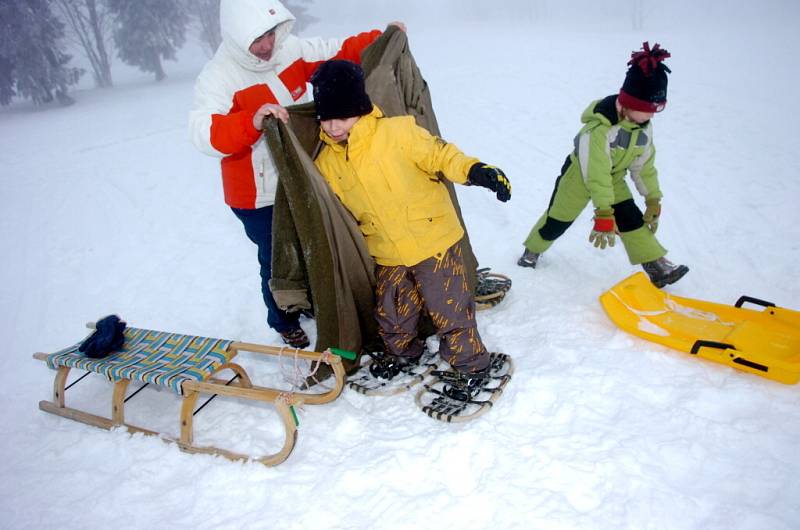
440	285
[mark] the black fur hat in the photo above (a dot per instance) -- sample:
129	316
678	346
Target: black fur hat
339	91
645	86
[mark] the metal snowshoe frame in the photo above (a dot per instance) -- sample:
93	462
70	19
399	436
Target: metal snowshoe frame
189	366
434	400
490	289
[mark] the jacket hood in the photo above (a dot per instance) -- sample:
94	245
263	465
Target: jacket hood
603	111
243	21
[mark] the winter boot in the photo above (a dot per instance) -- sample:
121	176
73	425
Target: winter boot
455	396
387	365
466	385
663	272
295	337
385	374
528	259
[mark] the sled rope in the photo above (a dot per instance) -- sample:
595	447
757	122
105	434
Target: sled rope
298	372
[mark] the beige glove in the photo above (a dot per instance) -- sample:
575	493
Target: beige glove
603	233
652	213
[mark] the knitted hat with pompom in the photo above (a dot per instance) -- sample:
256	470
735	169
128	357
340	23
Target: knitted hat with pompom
645	86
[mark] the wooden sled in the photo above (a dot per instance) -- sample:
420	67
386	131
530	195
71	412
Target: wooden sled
765	343
188	366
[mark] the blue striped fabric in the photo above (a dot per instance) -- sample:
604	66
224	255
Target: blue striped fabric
158	357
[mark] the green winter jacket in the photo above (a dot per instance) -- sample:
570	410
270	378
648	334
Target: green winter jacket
607	147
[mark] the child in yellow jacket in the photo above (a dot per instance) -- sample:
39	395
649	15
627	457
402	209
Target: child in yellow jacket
385	172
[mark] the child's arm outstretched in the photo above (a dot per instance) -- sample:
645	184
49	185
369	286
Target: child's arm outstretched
433	155
490	177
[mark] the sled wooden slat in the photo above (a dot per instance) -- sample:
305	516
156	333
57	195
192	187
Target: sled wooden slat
156	357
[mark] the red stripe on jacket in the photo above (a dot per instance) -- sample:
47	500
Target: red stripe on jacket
234	133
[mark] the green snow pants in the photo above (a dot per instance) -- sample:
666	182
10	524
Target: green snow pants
571	196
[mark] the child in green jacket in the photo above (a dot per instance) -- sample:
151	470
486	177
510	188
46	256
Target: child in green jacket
617	138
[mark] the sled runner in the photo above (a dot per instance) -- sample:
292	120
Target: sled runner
491	289
188	366
765	343
365	382
445	400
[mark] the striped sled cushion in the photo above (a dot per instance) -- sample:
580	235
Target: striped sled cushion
158	357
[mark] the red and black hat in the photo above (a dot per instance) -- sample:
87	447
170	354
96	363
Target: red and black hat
645	86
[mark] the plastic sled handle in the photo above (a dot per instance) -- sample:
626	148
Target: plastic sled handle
742	299
711	344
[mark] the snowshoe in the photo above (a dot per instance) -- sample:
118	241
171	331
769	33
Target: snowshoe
490	288
384	374
663	272
454	397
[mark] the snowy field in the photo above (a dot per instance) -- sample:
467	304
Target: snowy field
109	209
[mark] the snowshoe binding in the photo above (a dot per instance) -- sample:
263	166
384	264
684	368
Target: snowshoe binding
490	288
385	374
454	396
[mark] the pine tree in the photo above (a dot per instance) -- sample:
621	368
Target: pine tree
32	64
147	31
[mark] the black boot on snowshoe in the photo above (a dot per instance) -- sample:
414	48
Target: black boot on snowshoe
466	385
387	365
455	396
663	272
528	259
384	374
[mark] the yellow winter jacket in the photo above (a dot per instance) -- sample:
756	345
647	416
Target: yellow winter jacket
385	174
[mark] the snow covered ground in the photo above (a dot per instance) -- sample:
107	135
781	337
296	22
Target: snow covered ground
109	209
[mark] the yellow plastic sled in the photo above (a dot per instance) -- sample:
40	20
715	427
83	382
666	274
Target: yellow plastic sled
765	343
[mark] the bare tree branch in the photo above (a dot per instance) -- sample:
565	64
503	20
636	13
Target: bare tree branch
90	26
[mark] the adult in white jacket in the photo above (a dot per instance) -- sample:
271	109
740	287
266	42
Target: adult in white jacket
259	68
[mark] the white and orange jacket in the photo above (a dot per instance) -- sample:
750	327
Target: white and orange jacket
235	83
